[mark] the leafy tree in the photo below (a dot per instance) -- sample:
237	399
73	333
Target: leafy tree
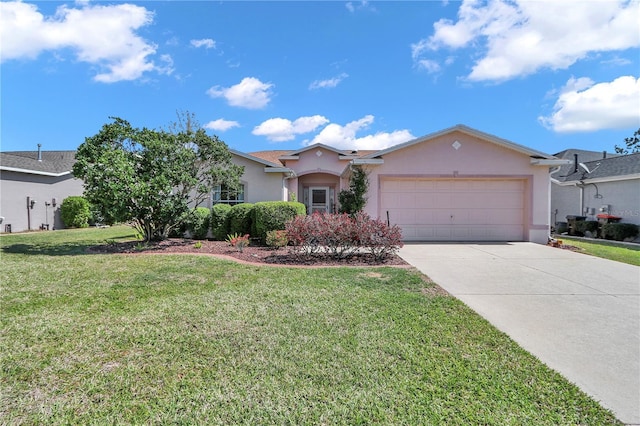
632	144
152	178
354	199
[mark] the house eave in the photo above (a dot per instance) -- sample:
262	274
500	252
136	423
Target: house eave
367	161
33	172
278	170
549	162
469	131
604	179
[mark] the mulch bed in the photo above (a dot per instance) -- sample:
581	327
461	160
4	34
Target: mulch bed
251	254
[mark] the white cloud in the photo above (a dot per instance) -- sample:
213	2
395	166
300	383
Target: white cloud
329	83
250	93
520	37
429	65
344	137
362	5
584	106
221	125
102	35
281	129
207	43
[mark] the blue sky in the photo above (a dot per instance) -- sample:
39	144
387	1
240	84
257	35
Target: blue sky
282	75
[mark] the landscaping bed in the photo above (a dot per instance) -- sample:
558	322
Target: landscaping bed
251	253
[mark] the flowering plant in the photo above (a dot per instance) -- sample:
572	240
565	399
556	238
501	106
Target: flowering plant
238	241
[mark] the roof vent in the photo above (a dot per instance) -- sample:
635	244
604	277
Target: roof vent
39	152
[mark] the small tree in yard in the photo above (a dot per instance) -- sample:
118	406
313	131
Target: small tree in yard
354	199
151	177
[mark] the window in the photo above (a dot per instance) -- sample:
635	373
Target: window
223	194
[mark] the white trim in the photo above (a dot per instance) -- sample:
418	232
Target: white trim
295	154
277	170
327	202
256	159
469	131
596	180
33	172
549	162
369	161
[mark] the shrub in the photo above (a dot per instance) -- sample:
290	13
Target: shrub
198	223
341	236
620	231
354	199
219	221
584	226
75	212
240	218
238	241
277	238
380	239
272	215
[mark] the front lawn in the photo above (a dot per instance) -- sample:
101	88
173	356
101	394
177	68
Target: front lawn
606	249
182	339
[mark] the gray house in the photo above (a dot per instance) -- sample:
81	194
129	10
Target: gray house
32	187
596	183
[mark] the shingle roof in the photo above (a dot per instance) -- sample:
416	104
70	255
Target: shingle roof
613	166
53	162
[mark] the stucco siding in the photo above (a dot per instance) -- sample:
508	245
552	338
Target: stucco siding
469	158
16	187
622	197
258	185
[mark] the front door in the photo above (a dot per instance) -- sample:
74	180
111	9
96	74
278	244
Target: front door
319	199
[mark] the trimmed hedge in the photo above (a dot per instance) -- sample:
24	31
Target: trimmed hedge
198	223
75	212
273	215
220	221
240	217
583	226
620	231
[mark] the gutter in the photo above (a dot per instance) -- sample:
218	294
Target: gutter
33	172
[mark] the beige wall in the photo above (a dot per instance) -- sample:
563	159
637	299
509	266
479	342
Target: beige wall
258	185
16	187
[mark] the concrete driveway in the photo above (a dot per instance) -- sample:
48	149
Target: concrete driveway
578	314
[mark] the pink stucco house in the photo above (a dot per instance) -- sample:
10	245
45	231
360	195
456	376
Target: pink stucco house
458	184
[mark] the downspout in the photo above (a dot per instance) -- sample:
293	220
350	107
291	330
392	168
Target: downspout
289	175
28	213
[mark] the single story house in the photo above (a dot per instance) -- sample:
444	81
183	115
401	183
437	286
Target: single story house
458	184
595	183
32	187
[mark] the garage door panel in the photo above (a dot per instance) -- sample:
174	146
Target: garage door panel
456	209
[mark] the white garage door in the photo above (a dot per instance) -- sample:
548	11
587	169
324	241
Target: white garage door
455	209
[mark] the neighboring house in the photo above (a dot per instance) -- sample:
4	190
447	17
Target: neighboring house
33	184
458	184
594	183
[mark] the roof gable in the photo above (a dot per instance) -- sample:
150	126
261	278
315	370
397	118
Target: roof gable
469	131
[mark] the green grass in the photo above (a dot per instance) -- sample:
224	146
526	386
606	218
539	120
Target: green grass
606	249
119	339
